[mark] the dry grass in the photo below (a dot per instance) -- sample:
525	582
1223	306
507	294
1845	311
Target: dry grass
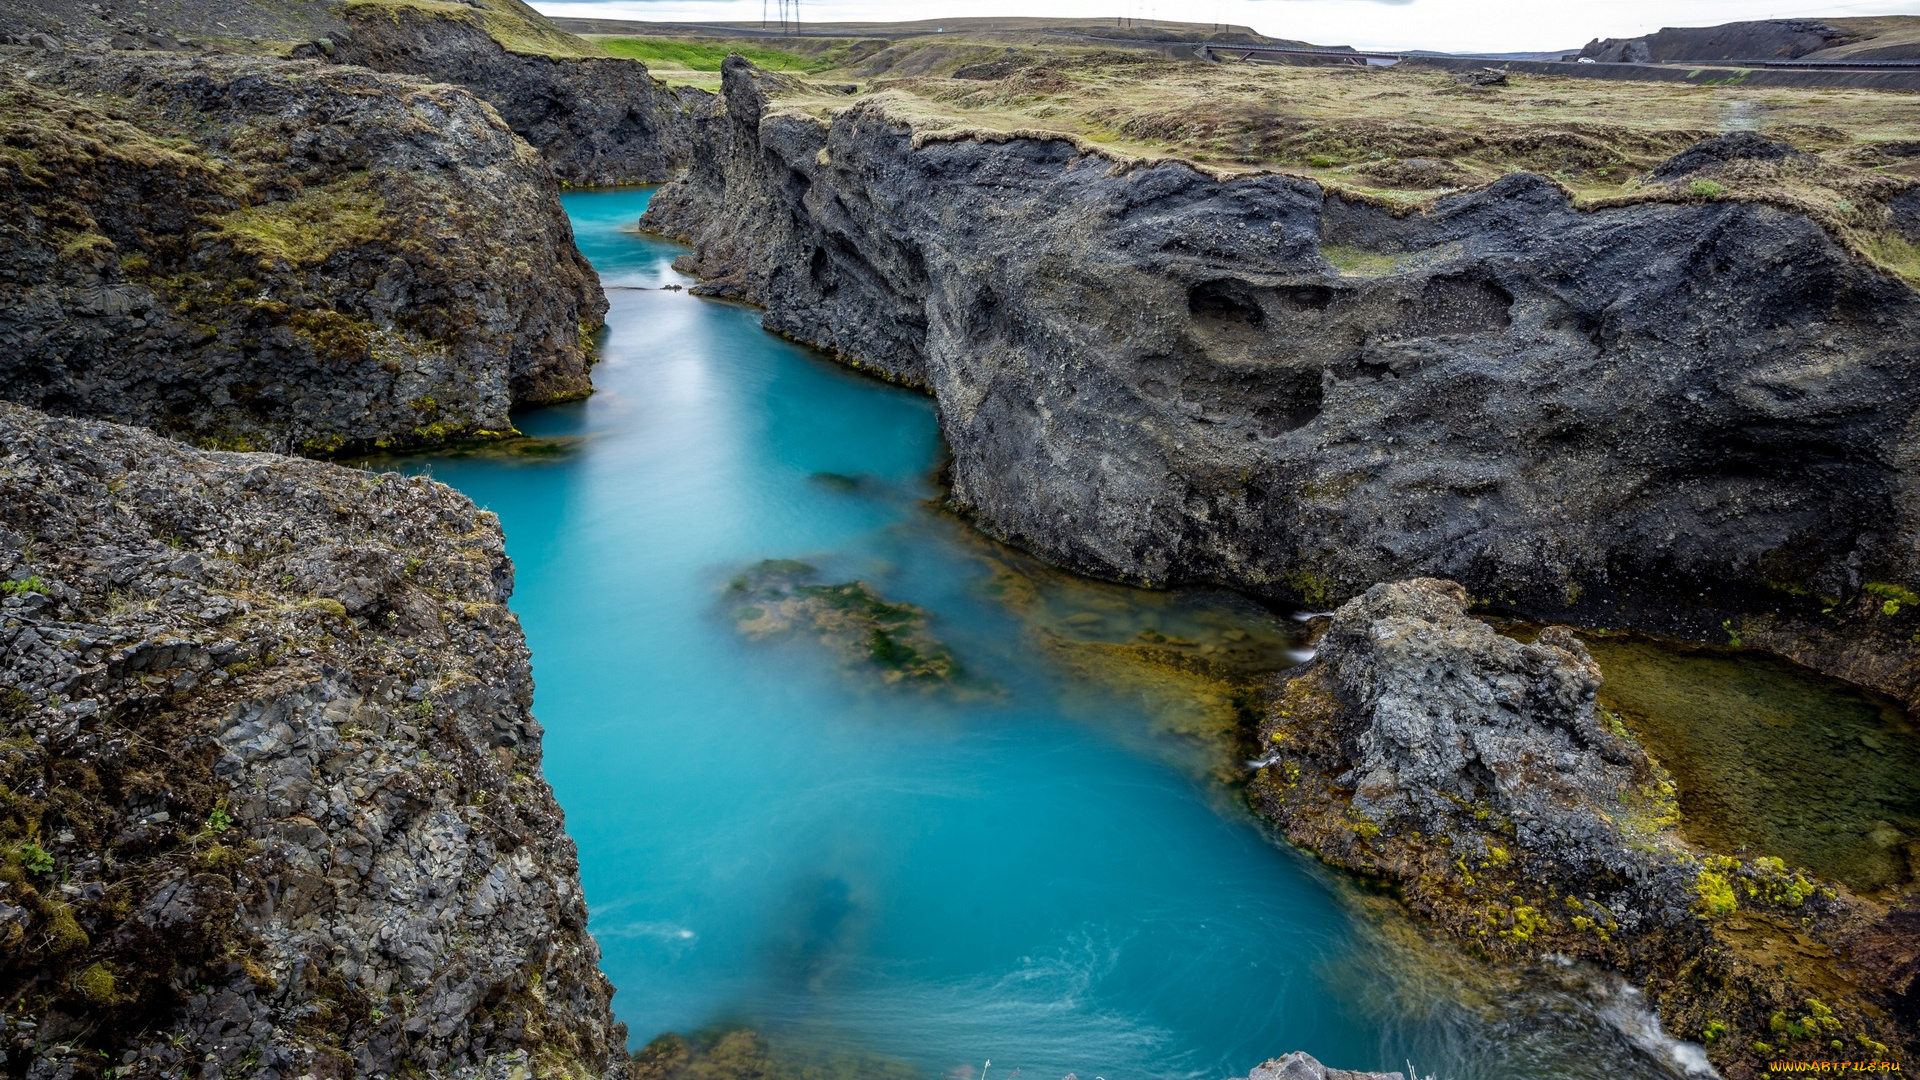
517	27
1403	137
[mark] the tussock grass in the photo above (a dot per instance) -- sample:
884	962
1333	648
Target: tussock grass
1403	137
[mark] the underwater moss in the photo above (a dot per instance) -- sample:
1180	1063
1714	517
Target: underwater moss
778	597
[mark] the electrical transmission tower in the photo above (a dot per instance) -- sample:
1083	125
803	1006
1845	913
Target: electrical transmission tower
788	14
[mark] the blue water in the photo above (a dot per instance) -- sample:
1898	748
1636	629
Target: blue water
1043	878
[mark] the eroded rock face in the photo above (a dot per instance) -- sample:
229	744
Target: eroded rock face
1437	731
275	800
598	121
1455	714
1664	414
279	255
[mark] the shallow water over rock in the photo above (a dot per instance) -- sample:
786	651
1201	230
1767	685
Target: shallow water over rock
1050	876
1774	759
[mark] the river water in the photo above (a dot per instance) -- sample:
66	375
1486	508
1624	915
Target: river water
1044	877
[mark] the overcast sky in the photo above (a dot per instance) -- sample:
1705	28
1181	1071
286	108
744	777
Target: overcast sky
1455	25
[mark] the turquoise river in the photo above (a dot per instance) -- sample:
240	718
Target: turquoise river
1042	877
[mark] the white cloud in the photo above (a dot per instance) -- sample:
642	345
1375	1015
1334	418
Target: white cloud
1455	25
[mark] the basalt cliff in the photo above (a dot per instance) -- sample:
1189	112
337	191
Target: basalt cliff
263	254
1686	413
598	120
273	803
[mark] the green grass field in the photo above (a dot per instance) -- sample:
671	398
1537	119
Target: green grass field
703	55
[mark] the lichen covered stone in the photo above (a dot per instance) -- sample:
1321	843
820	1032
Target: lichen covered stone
273	797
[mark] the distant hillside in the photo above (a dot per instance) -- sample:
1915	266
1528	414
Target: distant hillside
165	24
1130	31
1892	37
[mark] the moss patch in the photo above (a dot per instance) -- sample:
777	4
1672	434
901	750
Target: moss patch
306	229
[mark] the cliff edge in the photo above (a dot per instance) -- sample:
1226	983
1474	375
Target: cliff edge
599	120
273	802
1682	412
262	254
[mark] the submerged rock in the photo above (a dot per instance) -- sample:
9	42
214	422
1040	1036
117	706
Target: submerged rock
262	254
274	794
890	641
1477	777
742	1054
1300	1065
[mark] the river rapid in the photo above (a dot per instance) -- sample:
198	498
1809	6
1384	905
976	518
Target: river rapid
1050	876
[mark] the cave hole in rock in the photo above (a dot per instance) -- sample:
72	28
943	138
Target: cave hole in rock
1225	302
1305	297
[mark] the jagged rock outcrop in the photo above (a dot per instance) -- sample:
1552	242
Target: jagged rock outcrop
1671	413
278	255
1475	776
1420	723
273	793
598	120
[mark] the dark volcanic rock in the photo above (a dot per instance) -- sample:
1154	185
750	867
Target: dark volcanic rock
1456	713
1475	776
264	254
172	24
598	120
1714	153
274	795
1445	729
1665	414
1764	39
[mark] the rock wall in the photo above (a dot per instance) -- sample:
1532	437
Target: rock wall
273	794
598	121
292	256
1666	414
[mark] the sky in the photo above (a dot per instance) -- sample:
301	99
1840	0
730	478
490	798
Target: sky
1449	25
